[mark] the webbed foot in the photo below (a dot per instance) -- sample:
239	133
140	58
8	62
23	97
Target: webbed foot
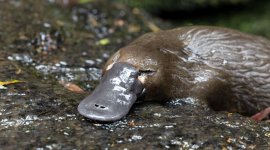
261	115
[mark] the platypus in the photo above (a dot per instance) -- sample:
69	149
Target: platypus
227	69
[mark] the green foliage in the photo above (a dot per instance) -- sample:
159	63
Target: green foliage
85	1
172	5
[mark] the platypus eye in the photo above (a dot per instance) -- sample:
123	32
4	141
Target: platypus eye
146	72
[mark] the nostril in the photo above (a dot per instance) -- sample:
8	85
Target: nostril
100	106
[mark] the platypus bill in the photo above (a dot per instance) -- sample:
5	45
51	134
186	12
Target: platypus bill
227	69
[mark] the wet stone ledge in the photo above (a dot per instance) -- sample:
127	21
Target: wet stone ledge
42	43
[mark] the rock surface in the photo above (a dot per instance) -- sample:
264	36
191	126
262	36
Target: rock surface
42	43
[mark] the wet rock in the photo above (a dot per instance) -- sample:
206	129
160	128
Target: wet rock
46	43
41	114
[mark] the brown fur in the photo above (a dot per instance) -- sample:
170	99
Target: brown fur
226	68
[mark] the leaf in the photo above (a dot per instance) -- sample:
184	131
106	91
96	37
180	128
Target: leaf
8	82
104	41
72	87
153	27
134	28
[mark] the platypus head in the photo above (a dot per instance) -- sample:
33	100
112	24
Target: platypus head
139	68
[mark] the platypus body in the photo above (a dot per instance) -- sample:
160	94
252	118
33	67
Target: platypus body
227	69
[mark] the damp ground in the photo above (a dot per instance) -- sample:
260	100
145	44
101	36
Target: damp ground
45	44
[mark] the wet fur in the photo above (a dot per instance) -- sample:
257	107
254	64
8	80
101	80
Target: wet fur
226	68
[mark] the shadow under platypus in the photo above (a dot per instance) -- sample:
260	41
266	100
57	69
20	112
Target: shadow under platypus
227	69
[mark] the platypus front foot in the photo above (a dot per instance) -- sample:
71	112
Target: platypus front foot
261	115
